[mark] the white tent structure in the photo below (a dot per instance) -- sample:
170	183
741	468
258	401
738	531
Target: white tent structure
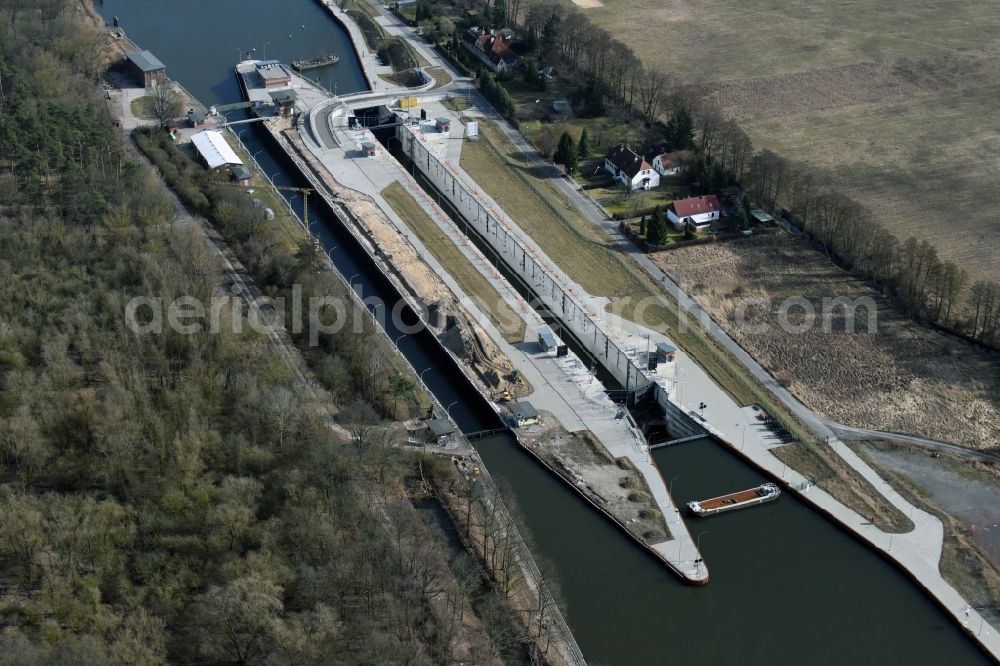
214	149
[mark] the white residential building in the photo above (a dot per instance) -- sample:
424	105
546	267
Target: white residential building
629	168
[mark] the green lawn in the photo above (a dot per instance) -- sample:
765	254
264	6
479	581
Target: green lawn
142	107
469	278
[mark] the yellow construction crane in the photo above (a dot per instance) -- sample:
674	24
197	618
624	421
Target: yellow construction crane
305	200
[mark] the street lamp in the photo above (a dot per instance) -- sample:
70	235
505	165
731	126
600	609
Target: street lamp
698	541
670	488
350	280
396	341
447	410
265	49
256	154
421	375
329	253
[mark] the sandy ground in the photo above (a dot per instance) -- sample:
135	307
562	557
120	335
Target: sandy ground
902	378
586	464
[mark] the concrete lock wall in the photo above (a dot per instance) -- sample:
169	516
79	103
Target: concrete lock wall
544	284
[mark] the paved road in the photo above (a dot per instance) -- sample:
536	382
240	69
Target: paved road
819	424
326	138
852	433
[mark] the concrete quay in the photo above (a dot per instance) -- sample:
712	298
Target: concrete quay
564	387
917	555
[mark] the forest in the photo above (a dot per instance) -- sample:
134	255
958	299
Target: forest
182	498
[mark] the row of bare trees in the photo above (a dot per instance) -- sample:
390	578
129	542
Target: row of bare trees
910	271
923	285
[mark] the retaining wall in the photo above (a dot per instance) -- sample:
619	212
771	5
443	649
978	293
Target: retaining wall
545	284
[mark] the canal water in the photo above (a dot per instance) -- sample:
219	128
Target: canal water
787	587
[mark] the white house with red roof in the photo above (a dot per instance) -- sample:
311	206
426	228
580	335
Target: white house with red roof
629	168
492	47
697	213
669	164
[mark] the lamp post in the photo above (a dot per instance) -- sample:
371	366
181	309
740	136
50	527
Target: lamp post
265	49
670	487
421	375
329	253
396	341
698	558
447	410
350	280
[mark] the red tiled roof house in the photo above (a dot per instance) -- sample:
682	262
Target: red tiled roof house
697	213
492	47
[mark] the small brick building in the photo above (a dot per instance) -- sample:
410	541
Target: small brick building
144	66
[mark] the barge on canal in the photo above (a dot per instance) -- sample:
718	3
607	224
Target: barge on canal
767	492
310	63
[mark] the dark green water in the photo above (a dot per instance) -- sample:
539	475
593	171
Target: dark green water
788	587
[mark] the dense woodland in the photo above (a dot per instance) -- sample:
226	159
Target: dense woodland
168	497
613	81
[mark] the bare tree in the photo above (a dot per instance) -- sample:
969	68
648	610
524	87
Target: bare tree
165	103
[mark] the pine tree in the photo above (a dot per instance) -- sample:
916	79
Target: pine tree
680	130
566	154
657	230
583	148
642	226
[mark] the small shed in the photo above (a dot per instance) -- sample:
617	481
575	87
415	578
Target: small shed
666	352
284	101
443	124
546	338
242	175
146	67
368	148
559	109
762	216
197	118
440	430
524	413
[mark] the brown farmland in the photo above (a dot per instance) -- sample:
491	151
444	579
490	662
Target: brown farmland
902	378
892	102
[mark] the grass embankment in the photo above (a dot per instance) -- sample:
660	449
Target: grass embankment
469	279
440	76
589	257
832	474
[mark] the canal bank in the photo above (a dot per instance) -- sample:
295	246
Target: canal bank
624	608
